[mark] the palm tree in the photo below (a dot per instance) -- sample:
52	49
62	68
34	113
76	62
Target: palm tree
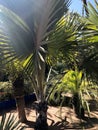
89	51
85	51
87	58
18	84
31	47
16	77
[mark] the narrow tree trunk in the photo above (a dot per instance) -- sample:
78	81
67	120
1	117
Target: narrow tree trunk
20	103
41	116
18	86
79	110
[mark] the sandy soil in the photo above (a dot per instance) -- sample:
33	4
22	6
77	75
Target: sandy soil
64	119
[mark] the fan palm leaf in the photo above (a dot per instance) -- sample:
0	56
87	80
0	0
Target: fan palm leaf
93	13
65	37
90	51
10	123
27	45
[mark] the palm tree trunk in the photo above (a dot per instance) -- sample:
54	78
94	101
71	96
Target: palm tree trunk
20	103
79	110
18	86
41	116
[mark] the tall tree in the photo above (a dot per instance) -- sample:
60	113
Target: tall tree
31	47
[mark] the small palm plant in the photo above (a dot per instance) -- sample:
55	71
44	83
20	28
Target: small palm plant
9	122
74	82
76	86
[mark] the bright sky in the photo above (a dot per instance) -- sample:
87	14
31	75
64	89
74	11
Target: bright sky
76	5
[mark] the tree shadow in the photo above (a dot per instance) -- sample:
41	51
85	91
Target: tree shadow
64	125
87	123
29	124
58	126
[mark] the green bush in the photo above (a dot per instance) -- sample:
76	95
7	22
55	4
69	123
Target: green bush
6	90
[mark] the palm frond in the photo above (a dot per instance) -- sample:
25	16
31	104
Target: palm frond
9	122
90	66
7	14
27	44
65	38
93	13
88	53
43	23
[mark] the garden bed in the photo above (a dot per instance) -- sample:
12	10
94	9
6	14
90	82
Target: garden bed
63	120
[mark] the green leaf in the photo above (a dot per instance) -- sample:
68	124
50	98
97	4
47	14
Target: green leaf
15	18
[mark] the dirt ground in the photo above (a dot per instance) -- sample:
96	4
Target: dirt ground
62	119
